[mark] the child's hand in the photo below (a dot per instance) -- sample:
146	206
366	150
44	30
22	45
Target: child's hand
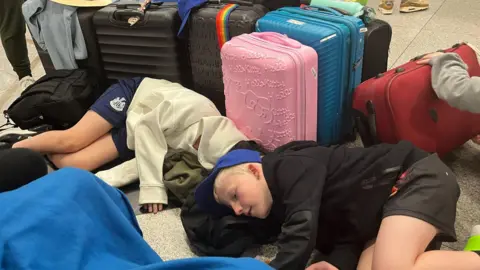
152	207
322	266
143	5
427	57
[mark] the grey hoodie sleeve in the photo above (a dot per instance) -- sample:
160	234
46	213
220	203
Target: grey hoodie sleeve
451	83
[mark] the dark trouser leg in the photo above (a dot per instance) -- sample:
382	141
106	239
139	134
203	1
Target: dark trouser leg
12	31
19	167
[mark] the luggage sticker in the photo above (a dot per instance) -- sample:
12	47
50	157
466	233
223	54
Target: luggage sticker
295	22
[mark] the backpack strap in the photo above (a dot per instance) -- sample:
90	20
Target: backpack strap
222	24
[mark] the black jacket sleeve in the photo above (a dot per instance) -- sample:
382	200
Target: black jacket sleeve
301	186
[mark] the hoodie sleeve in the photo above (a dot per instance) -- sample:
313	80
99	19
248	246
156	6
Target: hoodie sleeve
150	150
452	83
301	187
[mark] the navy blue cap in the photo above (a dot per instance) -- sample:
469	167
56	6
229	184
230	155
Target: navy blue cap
184	9
204	193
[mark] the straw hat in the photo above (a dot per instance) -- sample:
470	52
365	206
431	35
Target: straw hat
85	3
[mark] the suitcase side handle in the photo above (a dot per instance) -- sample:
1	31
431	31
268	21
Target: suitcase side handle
278	38
322	9
122	15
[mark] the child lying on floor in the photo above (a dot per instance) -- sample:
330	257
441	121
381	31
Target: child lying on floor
142	118
377	207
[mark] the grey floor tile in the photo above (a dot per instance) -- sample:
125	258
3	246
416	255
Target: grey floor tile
401	39
408	20
457	16
164	232
430	41
6	81
405	26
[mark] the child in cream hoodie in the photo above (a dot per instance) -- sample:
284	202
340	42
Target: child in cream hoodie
138	120
165	115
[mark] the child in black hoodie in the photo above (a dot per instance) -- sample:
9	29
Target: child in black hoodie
371	208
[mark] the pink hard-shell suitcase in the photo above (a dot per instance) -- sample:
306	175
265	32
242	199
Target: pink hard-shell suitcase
271	88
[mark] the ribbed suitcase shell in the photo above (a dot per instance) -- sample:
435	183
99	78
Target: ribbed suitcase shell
204	50
331	44
148	48
271	88
355	57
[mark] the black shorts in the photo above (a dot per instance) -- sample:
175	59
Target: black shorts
429	191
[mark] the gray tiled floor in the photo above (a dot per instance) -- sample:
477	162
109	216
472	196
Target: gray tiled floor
444	24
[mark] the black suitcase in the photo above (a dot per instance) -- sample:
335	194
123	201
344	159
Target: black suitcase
93	63
149	48
204	49
276	4
377	45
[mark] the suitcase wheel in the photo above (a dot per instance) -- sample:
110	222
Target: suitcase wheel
398	70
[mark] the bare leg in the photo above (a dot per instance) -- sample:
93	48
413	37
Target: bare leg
91	127
89	158
401	243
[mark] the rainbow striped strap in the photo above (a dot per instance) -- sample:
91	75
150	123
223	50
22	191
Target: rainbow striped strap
222	24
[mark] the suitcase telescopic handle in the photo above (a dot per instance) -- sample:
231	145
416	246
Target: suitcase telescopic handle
322	9
278	39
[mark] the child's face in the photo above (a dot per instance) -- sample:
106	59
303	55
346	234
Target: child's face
246	193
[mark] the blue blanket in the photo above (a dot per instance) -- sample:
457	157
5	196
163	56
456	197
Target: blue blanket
70	219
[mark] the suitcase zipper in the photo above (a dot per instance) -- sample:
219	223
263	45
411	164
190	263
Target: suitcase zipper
297	59
396	74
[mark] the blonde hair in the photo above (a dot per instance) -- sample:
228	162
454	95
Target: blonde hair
230	171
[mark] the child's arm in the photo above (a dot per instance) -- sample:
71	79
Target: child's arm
299	231
452	83
150	150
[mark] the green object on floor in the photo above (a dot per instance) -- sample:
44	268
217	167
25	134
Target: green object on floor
363	2
352	8
473	243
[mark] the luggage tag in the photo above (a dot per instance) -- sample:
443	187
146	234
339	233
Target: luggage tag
133	20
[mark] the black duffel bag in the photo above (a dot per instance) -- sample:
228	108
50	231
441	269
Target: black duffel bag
59	99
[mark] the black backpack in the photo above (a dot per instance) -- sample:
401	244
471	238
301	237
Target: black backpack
58	99
227	236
